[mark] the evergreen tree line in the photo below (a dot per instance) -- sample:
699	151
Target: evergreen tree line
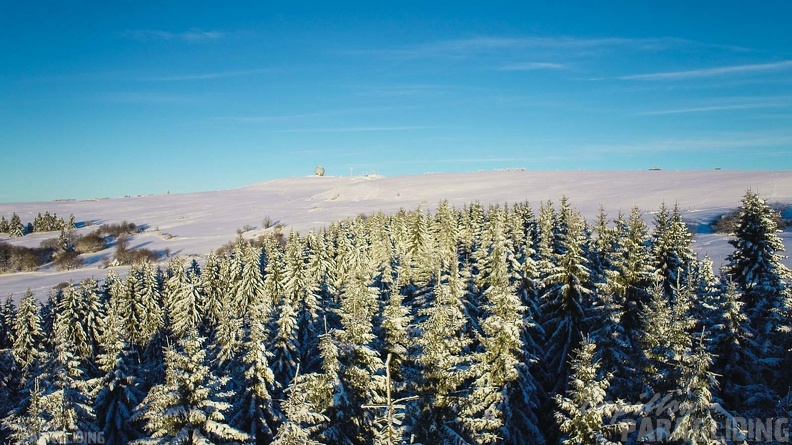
41	223
465	326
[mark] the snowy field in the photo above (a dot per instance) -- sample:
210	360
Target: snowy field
196	223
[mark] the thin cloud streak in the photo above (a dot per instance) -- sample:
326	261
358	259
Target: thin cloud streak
209	76
721	142
191	35
327	113
533	66
715	108
137	97
712	72
350	129
465	47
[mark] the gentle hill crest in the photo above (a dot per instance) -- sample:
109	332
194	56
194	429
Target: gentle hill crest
196	223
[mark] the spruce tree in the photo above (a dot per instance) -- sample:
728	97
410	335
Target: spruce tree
302	408
694	422
120	388
284	343
79	311
665	337
7	316
487	409
395	325
756	269
27	333
737	356
27	422
213	290
419	258
630	273
190	406
584	409
755	266
15	227
250	285
142	308
65	386
360	378
566	306
94	312
183	299
444	362
672	256
254	409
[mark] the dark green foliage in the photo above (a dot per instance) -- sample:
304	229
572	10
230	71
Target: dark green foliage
49	223
15	227
728	222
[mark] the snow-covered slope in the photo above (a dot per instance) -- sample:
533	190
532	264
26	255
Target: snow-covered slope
195	223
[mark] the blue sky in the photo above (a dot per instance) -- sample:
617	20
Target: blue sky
105	99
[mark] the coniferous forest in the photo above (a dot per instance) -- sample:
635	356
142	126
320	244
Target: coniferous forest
499	325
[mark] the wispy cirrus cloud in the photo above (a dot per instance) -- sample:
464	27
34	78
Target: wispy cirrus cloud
310	115
209	75
467	47
725	141
191	35
351	129
712	72
144	97
709	108
533	66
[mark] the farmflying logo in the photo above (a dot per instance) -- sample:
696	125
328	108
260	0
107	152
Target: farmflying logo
71	437
664	419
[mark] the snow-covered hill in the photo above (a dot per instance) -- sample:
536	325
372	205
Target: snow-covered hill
196	223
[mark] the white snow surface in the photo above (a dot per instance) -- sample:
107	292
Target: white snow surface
193	224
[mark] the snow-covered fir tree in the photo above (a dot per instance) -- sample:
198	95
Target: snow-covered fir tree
254	410
142	304
755	265
27	333
665	336
672	256
630	273
190	406
487	411
211	304
7	315
183	299
360	376
566	303
80	313
120	389
66	401
15	227
756	270
695	420
583	409
305	399
26	424
249	287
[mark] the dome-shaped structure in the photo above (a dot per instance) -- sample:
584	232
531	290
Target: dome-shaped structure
319	171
